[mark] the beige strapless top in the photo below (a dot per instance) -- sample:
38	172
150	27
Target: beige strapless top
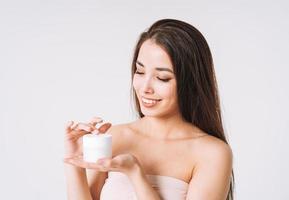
118	187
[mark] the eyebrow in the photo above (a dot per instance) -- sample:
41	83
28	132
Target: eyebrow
157	68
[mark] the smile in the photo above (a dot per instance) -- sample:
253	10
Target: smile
149	102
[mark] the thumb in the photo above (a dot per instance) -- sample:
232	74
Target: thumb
103	128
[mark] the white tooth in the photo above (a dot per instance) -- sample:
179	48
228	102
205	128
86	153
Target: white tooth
149	101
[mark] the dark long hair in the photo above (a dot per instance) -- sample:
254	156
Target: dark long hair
197	90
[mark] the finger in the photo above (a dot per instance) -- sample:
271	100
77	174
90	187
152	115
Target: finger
80	129
74	162
73	125
103	128
105	164
81	163
84	127
68	125
104	161
80	156
95	120
96	131
111	165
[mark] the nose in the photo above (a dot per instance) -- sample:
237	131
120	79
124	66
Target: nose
147	87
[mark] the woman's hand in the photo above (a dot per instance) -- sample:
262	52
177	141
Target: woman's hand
125	163
74	132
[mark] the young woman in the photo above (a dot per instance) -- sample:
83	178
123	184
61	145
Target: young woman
177	149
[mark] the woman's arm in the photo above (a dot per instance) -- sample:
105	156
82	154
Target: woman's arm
141	185
81	183
96	181
127	164
211	176
77	186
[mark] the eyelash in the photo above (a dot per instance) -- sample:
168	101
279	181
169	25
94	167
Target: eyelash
164	80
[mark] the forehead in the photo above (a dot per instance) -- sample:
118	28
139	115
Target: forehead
152	55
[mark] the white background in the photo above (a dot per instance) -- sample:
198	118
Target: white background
70	60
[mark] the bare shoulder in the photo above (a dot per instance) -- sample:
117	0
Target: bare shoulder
120	130
122	138
212	145
212	169
214	150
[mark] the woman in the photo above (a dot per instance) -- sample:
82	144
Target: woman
177	148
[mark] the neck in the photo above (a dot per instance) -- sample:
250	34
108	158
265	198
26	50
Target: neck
171	127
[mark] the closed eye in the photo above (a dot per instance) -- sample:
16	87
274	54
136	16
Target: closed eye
161	79
164	80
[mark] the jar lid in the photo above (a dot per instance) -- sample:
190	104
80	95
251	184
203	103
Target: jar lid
96	140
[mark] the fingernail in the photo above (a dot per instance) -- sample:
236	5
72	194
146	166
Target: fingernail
69	123
100	161
95	131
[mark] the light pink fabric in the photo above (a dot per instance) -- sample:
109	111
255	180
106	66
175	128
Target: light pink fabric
118	187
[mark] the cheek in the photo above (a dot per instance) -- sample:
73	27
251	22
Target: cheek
167	91
135	83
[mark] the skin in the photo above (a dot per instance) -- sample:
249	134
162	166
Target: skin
163	143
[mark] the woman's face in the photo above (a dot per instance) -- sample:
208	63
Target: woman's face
154	81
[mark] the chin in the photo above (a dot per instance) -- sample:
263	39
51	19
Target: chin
150	113
154	113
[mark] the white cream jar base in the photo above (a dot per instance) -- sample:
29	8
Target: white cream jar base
96	146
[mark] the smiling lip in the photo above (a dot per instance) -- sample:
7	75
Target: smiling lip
148	103
150	98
